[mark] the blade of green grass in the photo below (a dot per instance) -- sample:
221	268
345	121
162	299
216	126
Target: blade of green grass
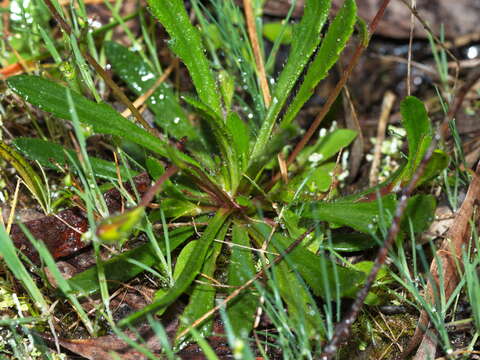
52	155
9	254
189	273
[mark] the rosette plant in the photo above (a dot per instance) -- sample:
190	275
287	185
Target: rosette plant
219	171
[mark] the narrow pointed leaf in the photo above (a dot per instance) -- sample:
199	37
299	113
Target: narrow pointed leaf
306	37
52	155
241	268
332	45
189	273
187	44
52	97
140	77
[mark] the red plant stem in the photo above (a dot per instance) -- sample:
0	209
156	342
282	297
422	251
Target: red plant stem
150	194
334	94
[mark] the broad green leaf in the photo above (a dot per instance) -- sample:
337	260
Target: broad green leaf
306	37
140	77
51	97
175	208
438	162
374	297
227	86
318	271
241	138
309	182
274	29
419	132
240	269
52	155
351	242
332	45
202	297
300	303
186	42
119	270
420	212
361	216
29	176
195	263
327	146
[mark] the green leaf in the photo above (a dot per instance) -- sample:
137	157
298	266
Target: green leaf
419	132
274	29
420	213
350	242
189	273
306	37
52	155
202	297
30	177
51	97
319	272
361	216
119	269
300	303
240	269
224	138
438	162
227	87
335	41
314	180
140	77
175	208
187	44
327	146
241	140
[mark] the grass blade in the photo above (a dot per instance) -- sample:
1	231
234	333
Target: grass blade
188	274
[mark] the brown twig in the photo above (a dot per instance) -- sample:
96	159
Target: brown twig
150	194
253	35
235	293
336	91
99	69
